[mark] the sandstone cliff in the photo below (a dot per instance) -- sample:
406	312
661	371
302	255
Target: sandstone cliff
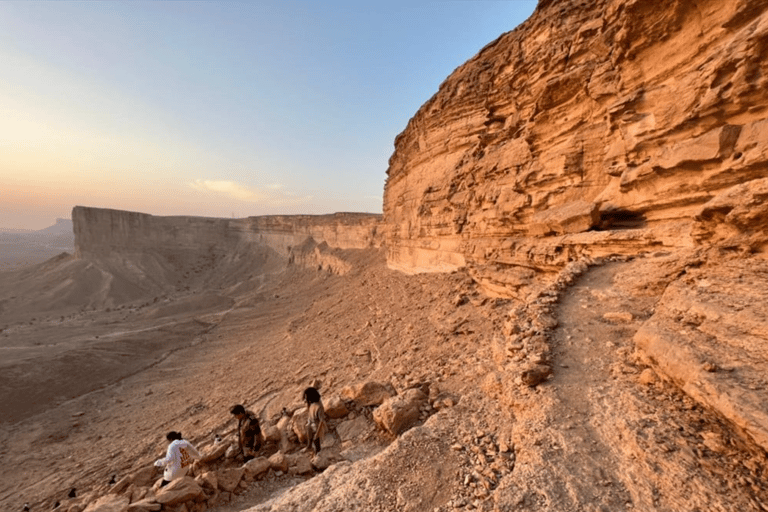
594	128
100	231
140	254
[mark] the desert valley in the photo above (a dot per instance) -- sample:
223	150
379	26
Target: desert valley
563	306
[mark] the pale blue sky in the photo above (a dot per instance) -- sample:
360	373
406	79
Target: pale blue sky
219	108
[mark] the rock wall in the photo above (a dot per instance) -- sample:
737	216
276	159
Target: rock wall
99	231
594	128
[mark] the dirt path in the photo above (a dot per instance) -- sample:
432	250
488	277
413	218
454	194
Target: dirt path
589	348
605	433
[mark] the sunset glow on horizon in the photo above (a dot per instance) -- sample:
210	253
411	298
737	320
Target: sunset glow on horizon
219	109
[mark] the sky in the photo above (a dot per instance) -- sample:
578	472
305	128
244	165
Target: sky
219	109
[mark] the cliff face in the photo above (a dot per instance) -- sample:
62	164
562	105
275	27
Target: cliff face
99	231
150	255
594	128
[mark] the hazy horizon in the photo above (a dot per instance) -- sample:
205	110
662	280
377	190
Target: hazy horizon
219	109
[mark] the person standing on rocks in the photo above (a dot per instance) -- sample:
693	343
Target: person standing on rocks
317	422
178	458
248	432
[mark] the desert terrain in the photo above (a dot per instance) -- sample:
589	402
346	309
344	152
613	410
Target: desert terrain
22	248
603	432
562	307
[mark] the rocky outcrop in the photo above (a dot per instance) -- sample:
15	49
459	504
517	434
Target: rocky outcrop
592	129
709	336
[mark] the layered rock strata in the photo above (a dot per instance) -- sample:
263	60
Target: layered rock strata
594	128
100	231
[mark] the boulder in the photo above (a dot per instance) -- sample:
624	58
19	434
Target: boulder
232	452
323	460
254	468
179	491
335	407
368	393
229	479
109	503
214	452
208	480
573	217
353	428
271	434
299	424
136	493
146	505
278	462
399	413
121	485
535	375
284	426
299	463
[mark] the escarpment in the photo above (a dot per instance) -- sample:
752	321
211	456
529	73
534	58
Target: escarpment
100	231
154	255
574	302
594	128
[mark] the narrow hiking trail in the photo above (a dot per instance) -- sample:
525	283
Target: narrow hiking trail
605	433
587	349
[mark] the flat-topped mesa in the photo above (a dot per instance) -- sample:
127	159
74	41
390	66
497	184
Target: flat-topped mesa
594	128
100	231
161	254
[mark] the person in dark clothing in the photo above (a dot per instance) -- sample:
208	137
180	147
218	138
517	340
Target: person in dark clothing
248	432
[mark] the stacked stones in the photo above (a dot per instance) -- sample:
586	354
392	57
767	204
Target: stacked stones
528	329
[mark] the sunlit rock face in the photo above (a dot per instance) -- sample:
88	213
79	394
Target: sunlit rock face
594	128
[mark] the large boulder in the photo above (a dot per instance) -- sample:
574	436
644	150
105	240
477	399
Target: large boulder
143	477
354	428
335	407
229	479
299	463
254	468
208	480
179	491
214	452
399	413
271	433
368	393
278	462
299	424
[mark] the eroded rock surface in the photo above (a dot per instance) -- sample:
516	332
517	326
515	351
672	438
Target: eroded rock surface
592	129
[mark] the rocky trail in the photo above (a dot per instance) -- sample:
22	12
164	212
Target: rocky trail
605	433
